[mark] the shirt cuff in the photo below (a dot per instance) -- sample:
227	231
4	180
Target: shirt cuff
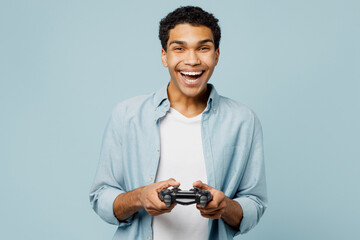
250	214
105	207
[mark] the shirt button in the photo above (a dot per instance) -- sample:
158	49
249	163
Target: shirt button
148	238
150	179
166	103
214	109
158	149
154	119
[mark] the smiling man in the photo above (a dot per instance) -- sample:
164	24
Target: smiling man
184	131
191	57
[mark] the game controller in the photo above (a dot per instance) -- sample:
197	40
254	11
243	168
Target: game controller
170	196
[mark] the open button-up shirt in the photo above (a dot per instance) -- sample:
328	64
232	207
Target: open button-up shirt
130	154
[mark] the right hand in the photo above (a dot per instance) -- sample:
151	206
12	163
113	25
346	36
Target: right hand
149	197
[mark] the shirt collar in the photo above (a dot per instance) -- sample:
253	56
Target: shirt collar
161	98
213	100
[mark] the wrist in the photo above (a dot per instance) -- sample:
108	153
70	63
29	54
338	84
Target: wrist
127	204
233	213
227	207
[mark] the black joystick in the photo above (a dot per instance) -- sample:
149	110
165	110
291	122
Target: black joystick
170	196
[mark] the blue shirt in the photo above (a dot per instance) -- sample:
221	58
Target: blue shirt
130	153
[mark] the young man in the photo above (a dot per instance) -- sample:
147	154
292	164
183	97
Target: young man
184	131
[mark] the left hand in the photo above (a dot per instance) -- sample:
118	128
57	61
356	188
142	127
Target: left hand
217	205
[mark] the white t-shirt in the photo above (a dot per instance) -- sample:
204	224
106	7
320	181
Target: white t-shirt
181	158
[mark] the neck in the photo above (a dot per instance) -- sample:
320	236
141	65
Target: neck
186	105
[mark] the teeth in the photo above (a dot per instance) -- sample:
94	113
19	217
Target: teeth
191	73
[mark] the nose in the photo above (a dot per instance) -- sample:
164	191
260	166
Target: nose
192	59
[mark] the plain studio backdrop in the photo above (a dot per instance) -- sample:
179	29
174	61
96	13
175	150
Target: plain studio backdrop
65	64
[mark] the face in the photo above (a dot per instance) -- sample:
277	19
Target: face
191	58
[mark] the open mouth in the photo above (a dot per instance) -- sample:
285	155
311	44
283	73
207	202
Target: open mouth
191	77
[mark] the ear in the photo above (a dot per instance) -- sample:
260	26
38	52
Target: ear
164	58
217	54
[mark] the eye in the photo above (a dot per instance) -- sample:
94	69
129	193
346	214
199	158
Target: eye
203	49
178	49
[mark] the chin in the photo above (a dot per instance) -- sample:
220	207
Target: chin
193	92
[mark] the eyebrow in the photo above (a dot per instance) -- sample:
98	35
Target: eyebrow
184	43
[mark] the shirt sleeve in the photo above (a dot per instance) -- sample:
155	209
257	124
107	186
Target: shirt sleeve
105	187
252	193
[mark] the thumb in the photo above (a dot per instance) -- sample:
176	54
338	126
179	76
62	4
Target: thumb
170	182
201	185
173	182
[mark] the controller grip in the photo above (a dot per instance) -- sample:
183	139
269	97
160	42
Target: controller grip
167	200
203	201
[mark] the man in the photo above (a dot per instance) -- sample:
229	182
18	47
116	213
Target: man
184	131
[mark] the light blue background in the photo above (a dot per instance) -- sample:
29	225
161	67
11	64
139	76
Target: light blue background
65	64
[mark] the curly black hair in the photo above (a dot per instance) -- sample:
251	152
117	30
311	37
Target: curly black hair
192	15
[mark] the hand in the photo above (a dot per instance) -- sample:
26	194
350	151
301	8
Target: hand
217	205
149	197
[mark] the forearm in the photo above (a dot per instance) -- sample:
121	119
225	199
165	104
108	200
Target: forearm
126	204
233	213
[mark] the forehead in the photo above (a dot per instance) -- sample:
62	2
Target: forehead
190	33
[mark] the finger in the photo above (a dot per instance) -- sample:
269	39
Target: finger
150	205
201	185
154	212
172	206
162	206
207	207
217	197
168	183
211	216
172	182
155	202
212	211
212	204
